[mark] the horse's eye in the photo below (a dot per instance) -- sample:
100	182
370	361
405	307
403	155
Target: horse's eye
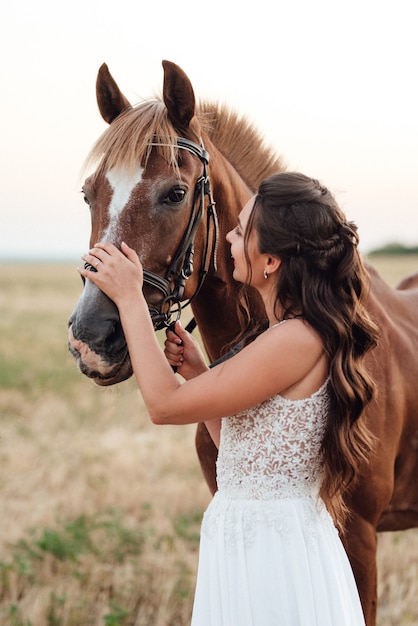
86	200
176	195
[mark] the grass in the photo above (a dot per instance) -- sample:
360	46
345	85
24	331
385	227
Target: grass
100	509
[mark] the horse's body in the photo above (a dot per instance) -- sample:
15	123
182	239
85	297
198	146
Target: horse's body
144	195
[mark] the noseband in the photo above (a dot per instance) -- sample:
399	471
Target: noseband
173	283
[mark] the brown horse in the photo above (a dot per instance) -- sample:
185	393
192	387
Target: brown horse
170	180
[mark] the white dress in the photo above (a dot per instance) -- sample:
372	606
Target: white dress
270	554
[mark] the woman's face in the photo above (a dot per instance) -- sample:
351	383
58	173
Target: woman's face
236	238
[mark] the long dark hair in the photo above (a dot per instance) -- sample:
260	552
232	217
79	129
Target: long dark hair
322	278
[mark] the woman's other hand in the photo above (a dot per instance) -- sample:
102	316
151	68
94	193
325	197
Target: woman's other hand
183	352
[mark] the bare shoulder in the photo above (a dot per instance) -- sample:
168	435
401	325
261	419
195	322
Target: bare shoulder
291	357
295	333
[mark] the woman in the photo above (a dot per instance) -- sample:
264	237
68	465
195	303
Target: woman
283	411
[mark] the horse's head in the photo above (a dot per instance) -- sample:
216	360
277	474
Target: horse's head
151	190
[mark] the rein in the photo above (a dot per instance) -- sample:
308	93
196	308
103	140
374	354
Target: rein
172	284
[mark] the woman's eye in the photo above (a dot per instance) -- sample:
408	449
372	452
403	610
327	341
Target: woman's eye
176	195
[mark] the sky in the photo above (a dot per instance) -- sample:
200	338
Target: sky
330	85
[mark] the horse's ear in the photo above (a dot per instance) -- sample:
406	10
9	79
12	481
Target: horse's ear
178	95
110	99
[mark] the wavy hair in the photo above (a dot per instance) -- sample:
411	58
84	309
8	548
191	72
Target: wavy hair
322	279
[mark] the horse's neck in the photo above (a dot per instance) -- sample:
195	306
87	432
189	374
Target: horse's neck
215	311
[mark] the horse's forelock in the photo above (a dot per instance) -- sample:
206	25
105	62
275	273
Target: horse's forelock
128	141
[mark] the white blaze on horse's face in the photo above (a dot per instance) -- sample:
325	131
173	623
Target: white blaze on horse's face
123	182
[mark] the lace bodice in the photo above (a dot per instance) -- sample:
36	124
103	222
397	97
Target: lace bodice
272	451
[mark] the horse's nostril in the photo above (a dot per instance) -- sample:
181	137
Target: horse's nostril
115	339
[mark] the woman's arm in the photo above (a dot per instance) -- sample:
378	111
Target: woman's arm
274	362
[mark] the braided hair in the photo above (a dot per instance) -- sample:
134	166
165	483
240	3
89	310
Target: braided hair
322	279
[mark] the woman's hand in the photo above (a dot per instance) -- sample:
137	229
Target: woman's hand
183	351
118	272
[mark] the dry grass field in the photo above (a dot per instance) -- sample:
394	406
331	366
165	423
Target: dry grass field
100	510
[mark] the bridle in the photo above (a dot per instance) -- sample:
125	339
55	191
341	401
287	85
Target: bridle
172	284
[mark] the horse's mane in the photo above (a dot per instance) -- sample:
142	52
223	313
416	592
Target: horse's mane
240	142
131	136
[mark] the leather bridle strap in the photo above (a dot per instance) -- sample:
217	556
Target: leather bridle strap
181	267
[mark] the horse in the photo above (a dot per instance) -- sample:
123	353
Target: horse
170	178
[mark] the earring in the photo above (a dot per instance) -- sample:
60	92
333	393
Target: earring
265	274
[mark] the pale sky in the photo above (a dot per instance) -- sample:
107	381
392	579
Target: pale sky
331	86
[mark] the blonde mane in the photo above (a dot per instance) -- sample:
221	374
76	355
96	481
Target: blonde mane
240	143
131	136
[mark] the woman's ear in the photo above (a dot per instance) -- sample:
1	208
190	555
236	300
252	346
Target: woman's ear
272	264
